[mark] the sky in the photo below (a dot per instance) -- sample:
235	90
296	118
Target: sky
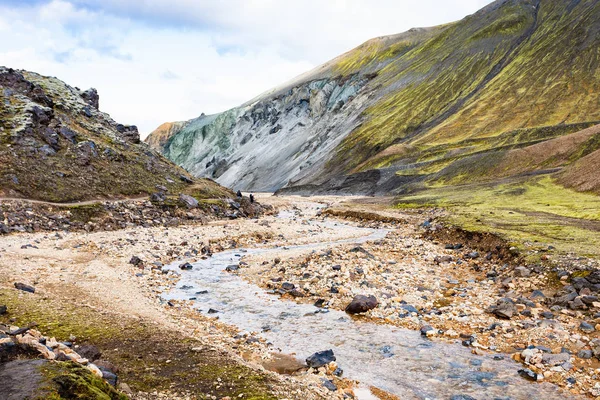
154	61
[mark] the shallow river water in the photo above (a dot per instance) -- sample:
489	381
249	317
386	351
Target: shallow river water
397	360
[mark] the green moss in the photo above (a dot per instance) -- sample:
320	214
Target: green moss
71	381
523	211
139	349
469	88
509	24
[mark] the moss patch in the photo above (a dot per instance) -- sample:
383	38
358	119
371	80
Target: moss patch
71	381
525	211
139	349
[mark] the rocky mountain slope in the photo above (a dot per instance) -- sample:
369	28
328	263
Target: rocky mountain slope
461	102
56	145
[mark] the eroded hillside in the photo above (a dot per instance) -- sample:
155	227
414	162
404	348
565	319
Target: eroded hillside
403	111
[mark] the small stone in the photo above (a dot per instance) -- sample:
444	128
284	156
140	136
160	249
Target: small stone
135	260
329	384
522	272
3	310
410	309
427	330
587	328
528	374
537	294
186	266
24	287
585	354
505	308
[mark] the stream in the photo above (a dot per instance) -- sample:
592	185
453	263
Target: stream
399	361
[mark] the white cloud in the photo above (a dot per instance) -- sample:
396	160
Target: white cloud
173	59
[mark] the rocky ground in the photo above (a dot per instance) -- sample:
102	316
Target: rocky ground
454	285
103	288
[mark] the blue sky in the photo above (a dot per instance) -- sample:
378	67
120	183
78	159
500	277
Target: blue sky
154	61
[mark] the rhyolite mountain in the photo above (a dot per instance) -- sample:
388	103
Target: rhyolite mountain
508	91
56	145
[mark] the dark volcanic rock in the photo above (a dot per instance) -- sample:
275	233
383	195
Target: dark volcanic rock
505	308
320	359
129	133
109	376
329	384
186	266
90	352
21	379
185	179
24	287
361	304
91	97
528	374
3	310
188	201
135	260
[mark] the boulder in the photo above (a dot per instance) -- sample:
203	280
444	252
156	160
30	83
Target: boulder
158	197
90	352
522	272
188	201
320	359
185	179
505	308
129	132
361	304
91	97
586	327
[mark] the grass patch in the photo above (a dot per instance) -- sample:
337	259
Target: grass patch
525	211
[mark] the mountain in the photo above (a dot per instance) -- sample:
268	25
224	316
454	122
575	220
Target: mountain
56	145
458	103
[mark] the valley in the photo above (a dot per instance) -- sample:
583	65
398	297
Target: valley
417	218
163	326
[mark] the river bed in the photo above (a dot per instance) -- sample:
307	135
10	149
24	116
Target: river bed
397	360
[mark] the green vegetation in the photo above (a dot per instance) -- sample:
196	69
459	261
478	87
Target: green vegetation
67	155
469	88
138	348
71	381
527	211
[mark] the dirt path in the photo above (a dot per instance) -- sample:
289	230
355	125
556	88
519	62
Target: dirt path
76	203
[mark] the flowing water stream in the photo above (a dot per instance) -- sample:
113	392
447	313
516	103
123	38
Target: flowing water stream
397	360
